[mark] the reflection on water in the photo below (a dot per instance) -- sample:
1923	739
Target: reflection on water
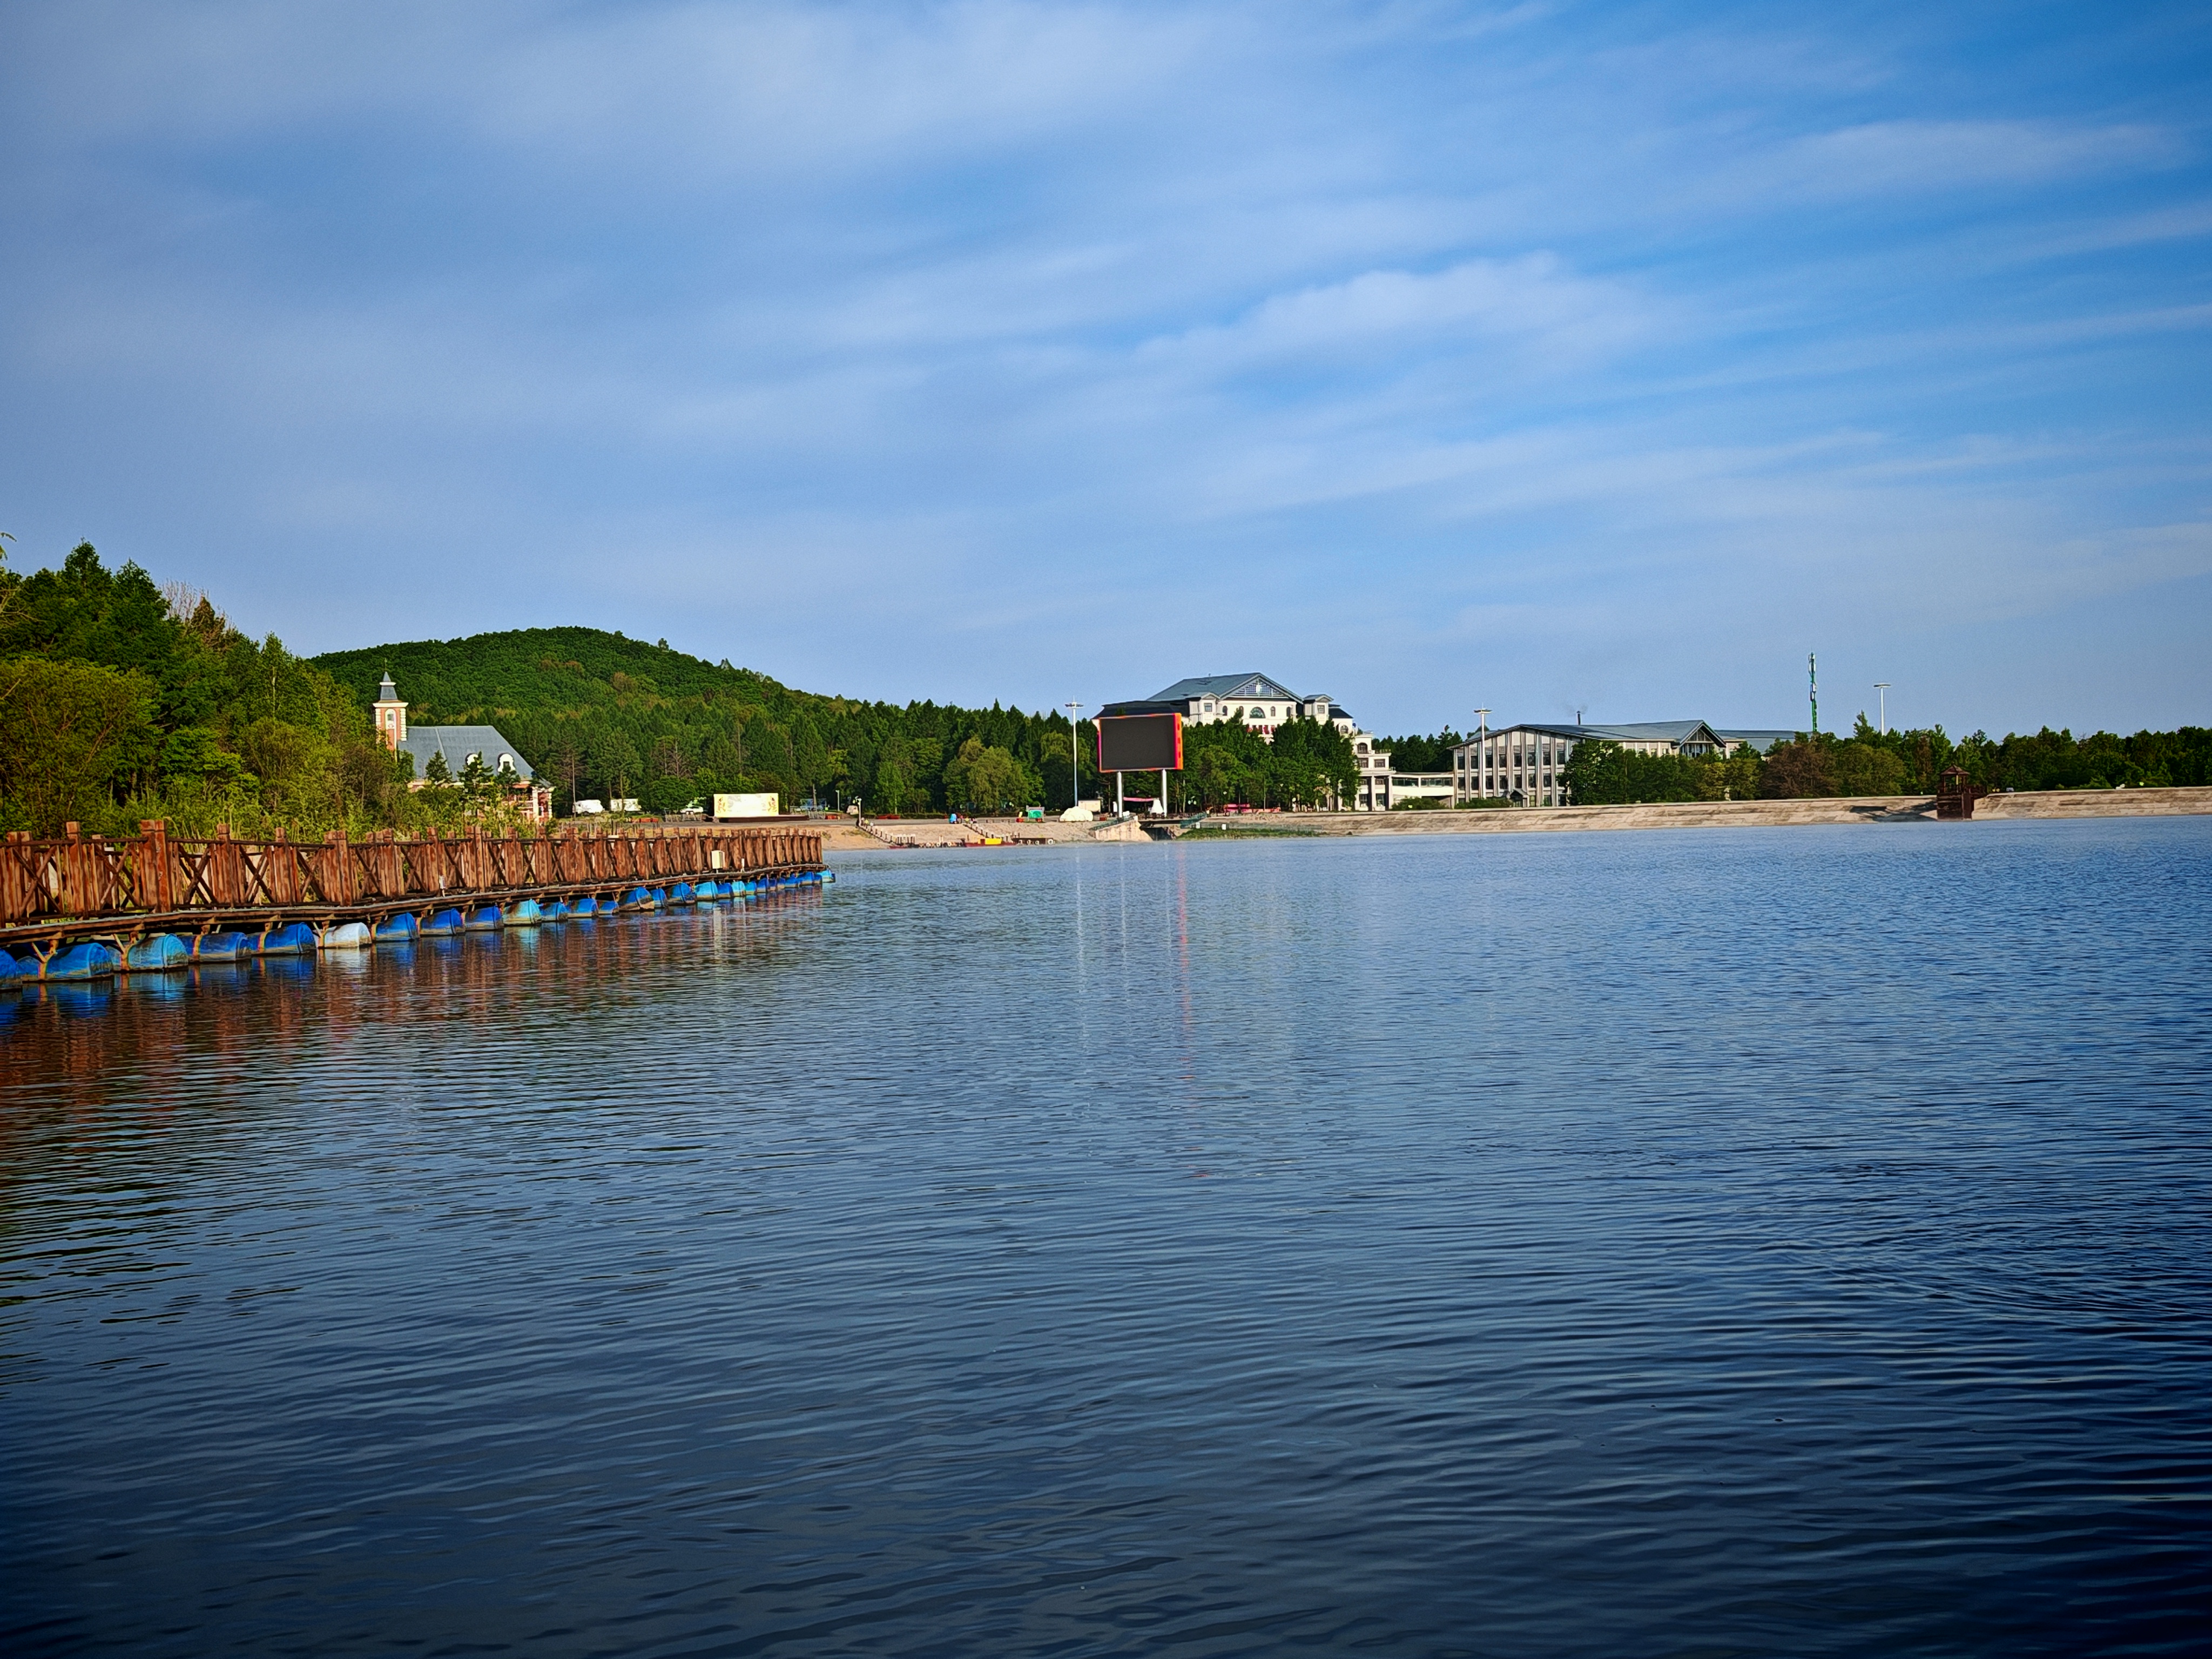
1734	1242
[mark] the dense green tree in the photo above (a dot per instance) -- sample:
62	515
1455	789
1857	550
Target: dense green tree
232	729
1801	767
1602	773
70	735
477	781
1868	768
1311	764
1226	762
615	764
1419	754
985	778
810	755
908	772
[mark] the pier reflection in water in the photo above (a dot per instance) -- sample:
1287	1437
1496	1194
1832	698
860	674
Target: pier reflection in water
1767	1241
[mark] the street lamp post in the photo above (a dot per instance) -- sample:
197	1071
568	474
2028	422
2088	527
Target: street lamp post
1881	702
1481	747
1074	762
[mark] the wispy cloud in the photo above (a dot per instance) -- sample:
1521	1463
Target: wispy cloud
1530	305
1902	155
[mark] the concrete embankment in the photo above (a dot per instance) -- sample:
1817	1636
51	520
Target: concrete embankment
1702	815
1522	820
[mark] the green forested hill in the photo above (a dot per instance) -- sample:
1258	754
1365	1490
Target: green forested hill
606	716
448	681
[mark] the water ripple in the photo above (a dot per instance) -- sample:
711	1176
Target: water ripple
1738	1243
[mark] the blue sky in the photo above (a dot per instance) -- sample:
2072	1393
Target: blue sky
1543	356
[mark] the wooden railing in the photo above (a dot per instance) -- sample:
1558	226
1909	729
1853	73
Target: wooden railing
153	874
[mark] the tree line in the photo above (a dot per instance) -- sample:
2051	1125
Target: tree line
120	700
608	717
1421	754
1901	762
1308	764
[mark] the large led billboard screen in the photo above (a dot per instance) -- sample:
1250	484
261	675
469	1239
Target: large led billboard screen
1140	743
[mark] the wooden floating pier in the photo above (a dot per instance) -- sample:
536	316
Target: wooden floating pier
90	906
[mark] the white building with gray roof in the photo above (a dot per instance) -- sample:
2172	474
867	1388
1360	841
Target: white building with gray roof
457	745
1263	704
1525	762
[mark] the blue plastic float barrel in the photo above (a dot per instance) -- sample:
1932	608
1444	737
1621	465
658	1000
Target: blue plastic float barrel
440	922
160	954
89	960
526	913
292	940
220	947
396	930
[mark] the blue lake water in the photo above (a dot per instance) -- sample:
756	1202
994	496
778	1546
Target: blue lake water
1759	1242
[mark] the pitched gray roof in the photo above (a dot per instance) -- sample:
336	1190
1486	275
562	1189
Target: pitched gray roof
1673	731
1758	742
1635	732
1225	685
456	743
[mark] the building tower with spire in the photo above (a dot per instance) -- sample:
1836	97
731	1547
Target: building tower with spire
390	714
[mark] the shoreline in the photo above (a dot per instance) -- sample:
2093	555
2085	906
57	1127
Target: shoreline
2041	804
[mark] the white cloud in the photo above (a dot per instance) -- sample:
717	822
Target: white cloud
1889	157
1531	303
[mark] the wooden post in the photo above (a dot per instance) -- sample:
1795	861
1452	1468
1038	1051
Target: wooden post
18	888
153	880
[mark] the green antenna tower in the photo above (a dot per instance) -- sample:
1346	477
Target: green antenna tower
1812	679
